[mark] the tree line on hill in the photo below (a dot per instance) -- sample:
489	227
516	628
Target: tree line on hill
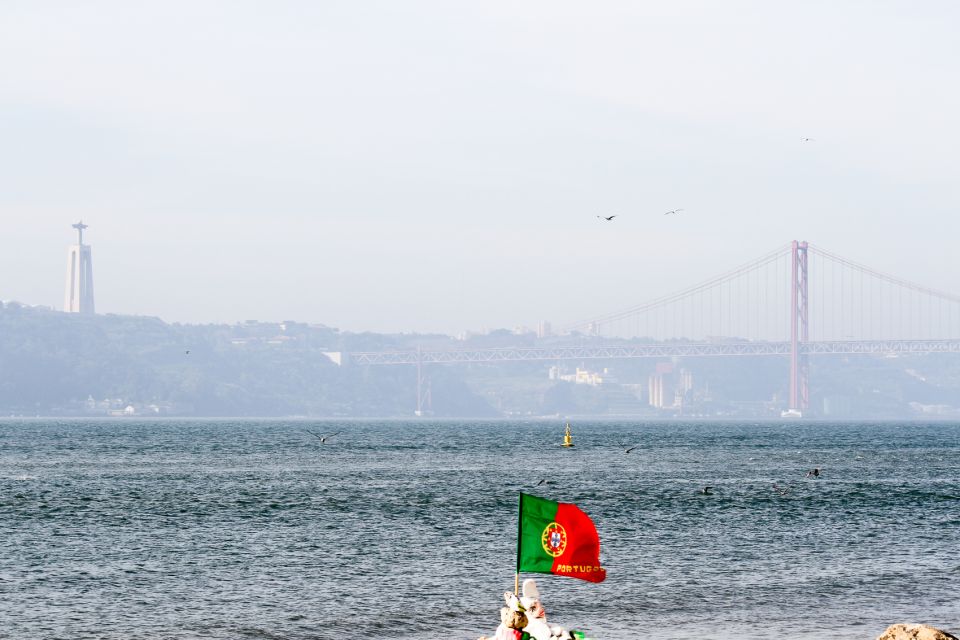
54	363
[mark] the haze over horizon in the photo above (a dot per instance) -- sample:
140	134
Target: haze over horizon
440	167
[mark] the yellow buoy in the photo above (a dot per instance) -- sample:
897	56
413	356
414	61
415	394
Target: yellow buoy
567	438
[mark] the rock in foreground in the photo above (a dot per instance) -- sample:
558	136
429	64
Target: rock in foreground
915	632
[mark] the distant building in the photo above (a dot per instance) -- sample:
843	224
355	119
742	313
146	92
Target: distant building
79	293
655	394
543	329
583	376
667	388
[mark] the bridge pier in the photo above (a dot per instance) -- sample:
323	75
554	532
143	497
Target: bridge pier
799	329
424	396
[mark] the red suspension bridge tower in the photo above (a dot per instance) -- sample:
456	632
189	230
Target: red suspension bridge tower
799	328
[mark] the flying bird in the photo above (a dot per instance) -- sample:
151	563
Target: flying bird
807	140
187	352
706	491
323	437
627	449
673	211
608	218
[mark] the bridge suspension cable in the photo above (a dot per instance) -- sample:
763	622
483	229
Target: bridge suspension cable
845	300
854	301
719	293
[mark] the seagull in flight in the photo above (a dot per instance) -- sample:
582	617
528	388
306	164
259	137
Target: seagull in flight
324	437
807	140
187	352
673	211
627	449
608	218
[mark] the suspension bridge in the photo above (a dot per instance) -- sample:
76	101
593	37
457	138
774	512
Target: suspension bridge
795	302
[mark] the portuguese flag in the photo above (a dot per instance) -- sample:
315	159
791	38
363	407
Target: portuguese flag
558	538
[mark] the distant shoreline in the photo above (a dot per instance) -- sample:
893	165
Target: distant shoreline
602	419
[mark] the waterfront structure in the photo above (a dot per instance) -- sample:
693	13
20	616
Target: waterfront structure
582	376
544	330
668	388
79	292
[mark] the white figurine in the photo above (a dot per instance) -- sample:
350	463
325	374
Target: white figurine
537	616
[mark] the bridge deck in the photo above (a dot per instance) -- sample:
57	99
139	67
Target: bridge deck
666	350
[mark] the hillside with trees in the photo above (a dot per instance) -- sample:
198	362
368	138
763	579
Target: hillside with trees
54	363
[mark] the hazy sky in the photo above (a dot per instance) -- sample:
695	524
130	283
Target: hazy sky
439	166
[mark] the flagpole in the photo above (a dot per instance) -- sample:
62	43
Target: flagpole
516	577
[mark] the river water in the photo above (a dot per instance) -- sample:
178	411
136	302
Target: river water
127	528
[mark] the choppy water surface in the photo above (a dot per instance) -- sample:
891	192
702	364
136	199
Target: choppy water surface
254	529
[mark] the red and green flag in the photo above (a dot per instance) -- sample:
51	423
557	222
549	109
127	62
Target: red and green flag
558	538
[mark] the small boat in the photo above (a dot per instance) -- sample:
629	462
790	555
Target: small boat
791	413
567	438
